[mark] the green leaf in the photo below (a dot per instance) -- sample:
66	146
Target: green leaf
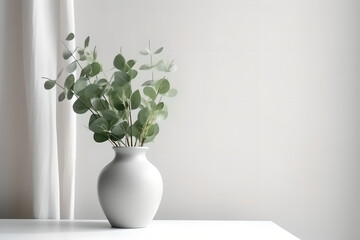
94	53
93	117
148	83
159	50
155	130
49	84
91	90
150	92
61	96
145	67
110	116
143	115
69	94
119	62
70	37
66	54
160	106
135	99
131	63
171	93
99	104
69	81
137	129
71	67
80	106
87	69
80	85
100	137
162	115
95	68
82	58
132	73
120	129
102	82
121	78
81	52
161	66
162	86
99	125
145	52
86	43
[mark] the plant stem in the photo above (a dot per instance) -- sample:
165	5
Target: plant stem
131	133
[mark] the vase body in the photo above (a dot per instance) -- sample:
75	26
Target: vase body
130	188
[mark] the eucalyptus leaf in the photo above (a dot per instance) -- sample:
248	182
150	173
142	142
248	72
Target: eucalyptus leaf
145	52
137	128
71	67
162	86
150	92
69	94
159	50
148	83
143	115
95	68
66	54
121	78
79	85
61	96
100	137
159	106
69	81
171	93
87	69
145	67
49	84
93	117
99	104
119	62
99	125
135	99
132	73
70	37
92	90
86	43
80	105
81	52
131	63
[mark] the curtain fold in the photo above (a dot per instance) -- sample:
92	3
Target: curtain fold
51	124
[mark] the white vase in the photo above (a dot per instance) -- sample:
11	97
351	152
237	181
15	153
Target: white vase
130	188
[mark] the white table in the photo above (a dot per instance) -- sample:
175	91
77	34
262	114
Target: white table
157	230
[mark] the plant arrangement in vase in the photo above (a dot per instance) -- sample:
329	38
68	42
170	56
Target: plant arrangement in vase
119	114
129	187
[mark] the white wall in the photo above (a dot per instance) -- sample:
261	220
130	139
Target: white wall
15	168
265	126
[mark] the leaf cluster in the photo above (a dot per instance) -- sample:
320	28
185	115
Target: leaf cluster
118	113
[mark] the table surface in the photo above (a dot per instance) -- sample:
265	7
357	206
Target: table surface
157	230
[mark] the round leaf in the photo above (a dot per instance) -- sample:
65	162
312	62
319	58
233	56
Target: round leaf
171	93
145	52
150	92
121	78
61	97
162	86
135	99
99	125
160	106
131	63
71	67
143	115
98	137
95	68
69	81
79	106
69	94
119	62
99	104
49	84
80	84
132	73
66	54
70	37
92	90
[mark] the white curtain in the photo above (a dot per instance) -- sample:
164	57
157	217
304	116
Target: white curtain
51	124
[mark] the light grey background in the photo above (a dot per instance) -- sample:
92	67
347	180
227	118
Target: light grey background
265	126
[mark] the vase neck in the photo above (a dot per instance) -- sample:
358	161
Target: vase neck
129	151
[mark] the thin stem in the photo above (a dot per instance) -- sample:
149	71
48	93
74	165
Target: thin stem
131	133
